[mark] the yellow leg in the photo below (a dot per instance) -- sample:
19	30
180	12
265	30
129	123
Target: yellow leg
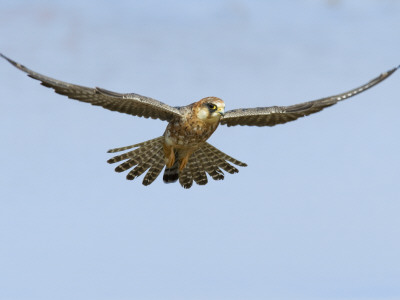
169	156
184	161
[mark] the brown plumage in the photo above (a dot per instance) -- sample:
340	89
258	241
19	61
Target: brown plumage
183	149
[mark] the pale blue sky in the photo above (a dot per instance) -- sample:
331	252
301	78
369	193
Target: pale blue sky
315	215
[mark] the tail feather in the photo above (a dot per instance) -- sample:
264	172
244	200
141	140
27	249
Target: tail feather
155	170
126	165
209	165
186	178
149	157
144	165
228	167
219	159
122	148
199	175
125	156
225	156
136	157
146	143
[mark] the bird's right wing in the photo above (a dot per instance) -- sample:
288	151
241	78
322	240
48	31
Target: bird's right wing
132	104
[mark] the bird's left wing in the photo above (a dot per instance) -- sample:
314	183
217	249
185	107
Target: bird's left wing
132	104
271	116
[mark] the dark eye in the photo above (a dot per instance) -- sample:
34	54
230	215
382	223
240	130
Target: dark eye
212	106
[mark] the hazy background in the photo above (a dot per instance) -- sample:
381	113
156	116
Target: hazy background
315	215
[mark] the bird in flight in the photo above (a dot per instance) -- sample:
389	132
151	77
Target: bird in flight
183	149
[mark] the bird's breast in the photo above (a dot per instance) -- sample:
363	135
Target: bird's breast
188	132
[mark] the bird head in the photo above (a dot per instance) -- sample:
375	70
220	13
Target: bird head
210	109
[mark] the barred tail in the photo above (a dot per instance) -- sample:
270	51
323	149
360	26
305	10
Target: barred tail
149	156
207	160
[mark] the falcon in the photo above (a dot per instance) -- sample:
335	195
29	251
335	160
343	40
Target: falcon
183	149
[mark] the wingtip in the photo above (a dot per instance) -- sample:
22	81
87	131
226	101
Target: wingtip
8	59
5	57
14	63
390	72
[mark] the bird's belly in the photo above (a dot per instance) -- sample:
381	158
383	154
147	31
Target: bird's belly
180	135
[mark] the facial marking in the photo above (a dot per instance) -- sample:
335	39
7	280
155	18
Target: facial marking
210	109
203	113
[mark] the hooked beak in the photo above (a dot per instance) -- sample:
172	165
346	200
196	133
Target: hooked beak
221	111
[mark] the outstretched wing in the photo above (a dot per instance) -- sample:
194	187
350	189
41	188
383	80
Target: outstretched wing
132	104
271	116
